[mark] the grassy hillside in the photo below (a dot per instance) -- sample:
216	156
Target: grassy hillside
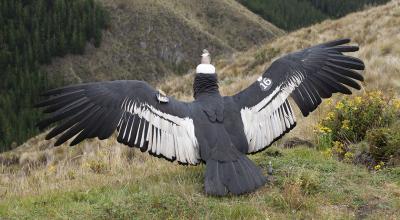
307	185
107	180
150	39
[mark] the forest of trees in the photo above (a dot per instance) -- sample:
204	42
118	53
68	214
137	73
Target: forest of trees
293	14
31	33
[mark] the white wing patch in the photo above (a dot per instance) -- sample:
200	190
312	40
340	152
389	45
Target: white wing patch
167	135
271	117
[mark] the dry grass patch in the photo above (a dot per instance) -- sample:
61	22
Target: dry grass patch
151	39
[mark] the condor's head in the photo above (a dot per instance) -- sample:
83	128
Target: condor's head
206	80
205	67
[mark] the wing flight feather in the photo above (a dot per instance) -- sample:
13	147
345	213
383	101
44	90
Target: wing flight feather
130	107
307	76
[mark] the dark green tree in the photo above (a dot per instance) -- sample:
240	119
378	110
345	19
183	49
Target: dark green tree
31	33
293	14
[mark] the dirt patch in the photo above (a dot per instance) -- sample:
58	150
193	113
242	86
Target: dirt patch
295	142
363	211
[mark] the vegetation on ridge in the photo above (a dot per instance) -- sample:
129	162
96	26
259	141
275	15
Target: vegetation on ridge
151	39
293	14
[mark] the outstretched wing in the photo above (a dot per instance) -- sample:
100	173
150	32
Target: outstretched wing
307	76
130	107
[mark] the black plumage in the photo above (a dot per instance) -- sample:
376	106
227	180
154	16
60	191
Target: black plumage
214	129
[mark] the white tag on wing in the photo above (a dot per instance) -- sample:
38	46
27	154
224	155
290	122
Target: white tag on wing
264	83
162	97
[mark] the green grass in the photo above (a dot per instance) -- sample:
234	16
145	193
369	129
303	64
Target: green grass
306	185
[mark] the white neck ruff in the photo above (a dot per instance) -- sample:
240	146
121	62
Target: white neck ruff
205	68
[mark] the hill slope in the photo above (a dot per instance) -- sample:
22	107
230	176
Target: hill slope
150	39
102	179
374	30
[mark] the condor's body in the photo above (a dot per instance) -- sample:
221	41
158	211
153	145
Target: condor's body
214	129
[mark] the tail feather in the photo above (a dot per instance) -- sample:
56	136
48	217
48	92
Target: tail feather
238	177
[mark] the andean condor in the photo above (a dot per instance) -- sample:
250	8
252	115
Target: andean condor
214	129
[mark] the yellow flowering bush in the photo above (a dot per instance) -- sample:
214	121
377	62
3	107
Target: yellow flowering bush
352	119
328	153
324	136
345	124
396	104
384	143
379	166
348	157
338	148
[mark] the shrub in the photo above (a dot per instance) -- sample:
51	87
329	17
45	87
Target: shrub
384	143
371	119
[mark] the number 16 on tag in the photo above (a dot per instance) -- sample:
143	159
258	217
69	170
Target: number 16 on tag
265	83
